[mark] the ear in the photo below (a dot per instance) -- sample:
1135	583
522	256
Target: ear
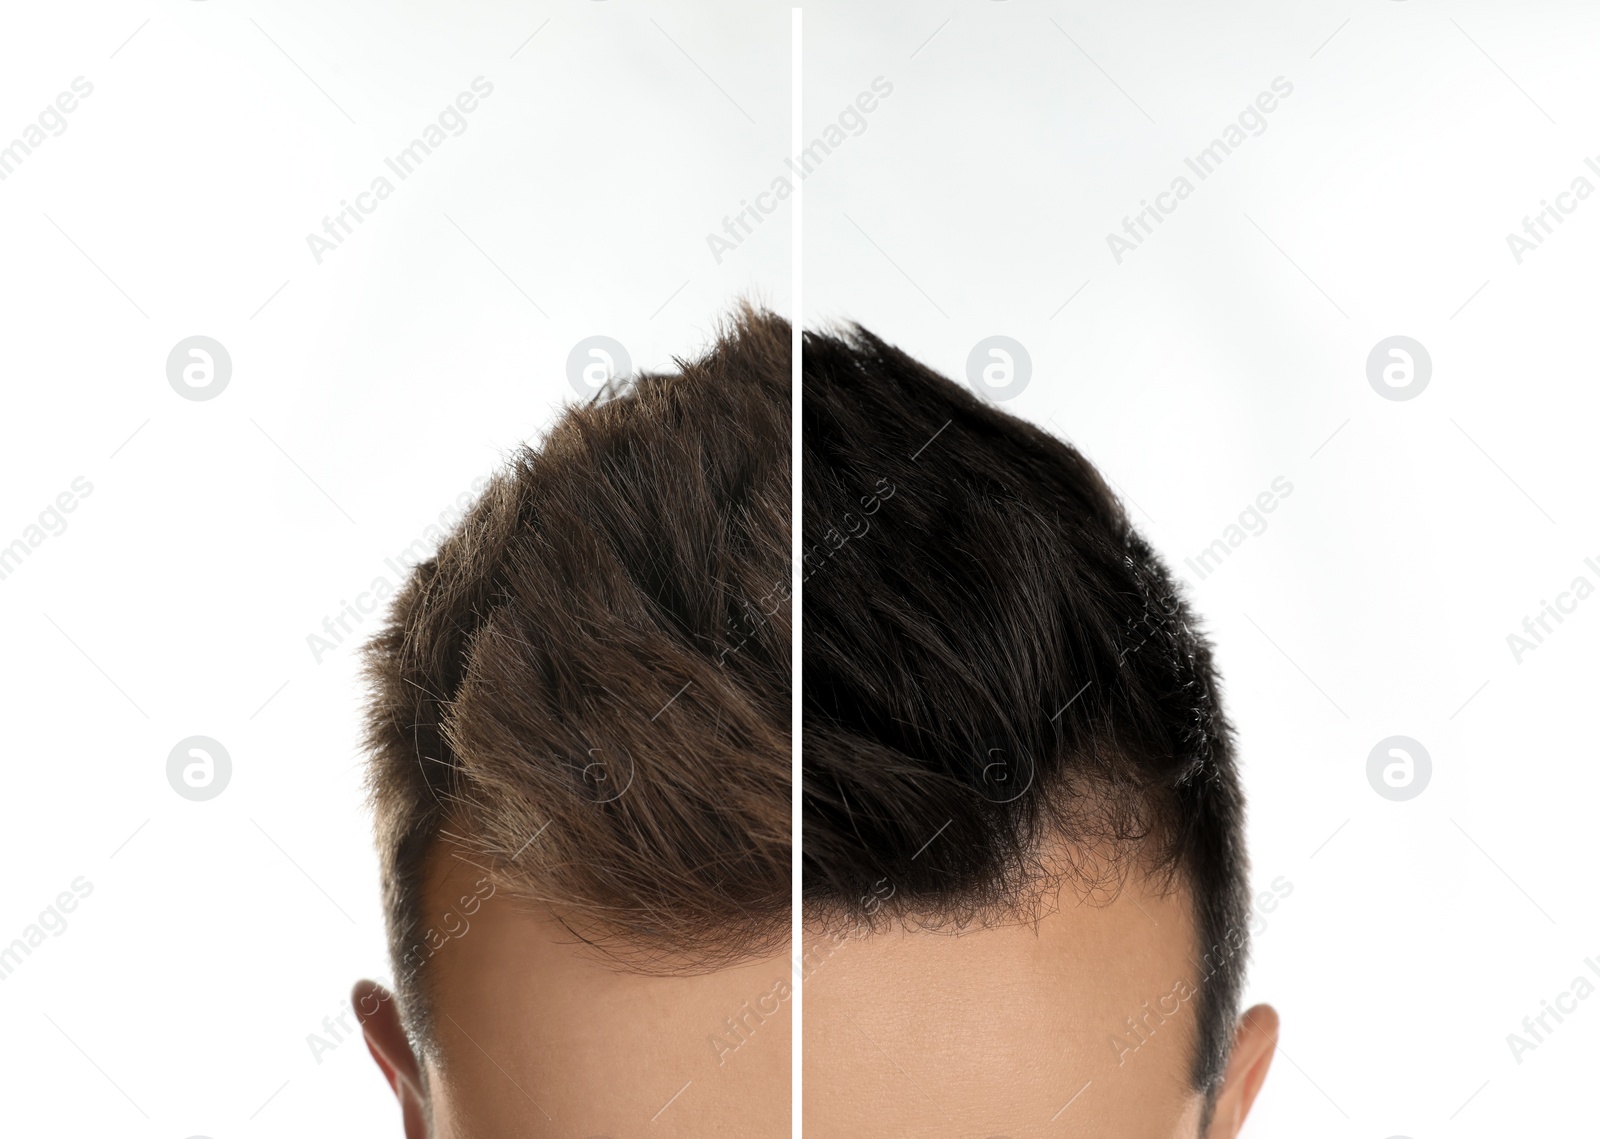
1254	1042
386	1039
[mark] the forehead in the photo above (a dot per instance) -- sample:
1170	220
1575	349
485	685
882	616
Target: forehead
537	1035
1082	1023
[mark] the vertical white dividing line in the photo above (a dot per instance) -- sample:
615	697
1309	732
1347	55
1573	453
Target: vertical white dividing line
797	575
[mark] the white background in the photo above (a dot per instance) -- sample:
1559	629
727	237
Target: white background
366	394
1378	600
370	390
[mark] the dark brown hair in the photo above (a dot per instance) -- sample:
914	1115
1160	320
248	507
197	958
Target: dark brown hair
586	691
997	668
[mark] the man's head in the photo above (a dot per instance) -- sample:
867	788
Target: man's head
580	773
1024	869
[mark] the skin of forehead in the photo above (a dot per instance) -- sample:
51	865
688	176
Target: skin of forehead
538	1035
1082	1023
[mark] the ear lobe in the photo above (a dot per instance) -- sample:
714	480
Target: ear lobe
1254	1042
386	1039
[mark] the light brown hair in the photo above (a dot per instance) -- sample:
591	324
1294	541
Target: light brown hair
586	691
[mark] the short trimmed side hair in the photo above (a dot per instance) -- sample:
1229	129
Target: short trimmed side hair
586	691
997	667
